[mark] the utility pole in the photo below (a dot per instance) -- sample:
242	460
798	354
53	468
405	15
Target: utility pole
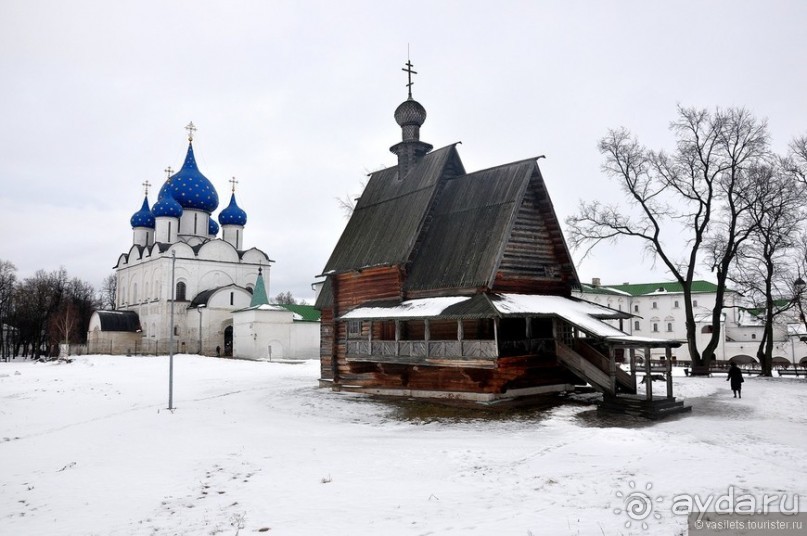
171	335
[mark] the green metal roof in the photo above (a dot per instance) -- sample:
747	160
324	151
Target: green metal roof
308	312
591	289
641	289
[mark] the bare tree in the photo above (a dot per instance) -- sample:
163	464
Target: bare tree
692	192
285	298
8	280
764	269
348	203
35	300
108	294
64	324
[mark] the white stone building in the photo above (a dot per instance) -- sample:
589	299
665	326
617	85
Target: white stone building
658	310
176	240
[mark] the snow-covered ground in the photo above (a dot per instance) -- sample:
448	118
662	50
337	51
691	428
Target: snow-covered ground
256	447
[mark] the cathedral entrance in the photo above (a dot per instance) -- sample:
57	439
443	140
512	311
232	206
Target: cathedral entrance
228	341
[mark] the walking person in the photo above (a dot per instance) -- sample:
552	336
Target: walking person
736	377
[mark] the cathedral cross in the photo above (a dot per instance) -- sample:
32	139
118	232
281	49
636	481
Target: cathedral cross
409	73
233	182
191	129
146	187
168	172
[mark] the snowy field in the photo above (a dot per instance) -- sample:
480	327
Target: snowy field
255	447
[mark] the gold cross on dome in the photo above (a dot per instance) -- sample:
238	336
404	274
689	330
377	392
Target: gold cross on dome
169	171
409	73
233	182
146	187
191	129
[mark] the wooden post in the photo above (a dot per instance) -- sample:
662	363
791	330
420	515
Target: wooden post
397	337
528	327
496	334
460	336
669	373
426	334
633	366
612	368
370	337
648	378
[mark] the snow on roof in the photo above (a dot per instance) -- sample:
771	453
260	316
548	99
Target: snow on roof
420	308
582	314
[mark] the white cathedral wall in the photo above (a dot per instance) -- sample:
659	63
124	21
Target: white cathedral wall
144	285
193	223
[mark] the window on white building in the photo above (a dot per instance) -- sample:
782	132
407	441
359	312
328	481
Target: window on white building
676	304
655	305
636	325
753	335
181	288
669	326
694	303
655	327
636	308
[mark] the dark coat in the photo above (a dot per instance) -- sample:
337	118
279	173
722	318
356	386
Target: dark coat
736	377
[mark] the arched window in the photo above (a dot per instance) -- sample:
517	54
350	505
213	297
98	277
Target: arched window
655	305
180	295
669	326
636	325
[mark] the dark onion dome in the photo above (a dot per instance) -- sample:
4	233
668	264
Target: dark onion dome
212	227
167	206
233	214
410	112
190	188
143	217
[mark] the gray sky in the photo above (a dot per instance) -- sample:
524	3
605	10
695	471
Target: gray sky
295	99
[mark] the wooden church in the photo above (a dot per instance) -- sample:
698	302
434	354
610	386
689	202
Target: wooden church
454	285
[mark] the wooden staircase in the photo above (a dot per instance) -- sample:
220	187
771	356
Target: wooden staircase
591	366
637	405
618	388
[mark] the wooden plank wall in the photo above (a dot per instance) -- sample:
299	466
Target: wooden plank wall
350	290
531	262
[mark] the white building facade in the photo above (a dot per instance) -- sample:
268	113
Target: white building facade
658	310
177	266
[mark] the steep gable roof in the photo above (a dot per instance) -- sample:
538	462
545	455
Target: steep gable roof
471	232
390	213
470	219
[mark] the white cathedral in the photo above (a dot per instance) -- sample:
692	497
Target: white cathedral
218	296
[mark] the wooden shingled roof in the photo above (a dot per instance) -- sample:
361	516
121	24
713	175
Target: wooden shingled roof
449	230
390	213
470	223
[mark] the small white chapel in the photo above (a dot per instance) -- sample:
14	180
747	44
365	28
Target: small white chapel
182	263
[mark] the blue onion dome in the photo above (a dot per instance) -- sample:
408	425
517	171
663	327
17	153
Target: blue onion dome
143	217
410	112
233	214
167	206
212	227
190	188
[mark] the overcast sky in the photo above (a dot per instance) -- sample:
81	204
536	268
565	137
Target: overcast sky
296	98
